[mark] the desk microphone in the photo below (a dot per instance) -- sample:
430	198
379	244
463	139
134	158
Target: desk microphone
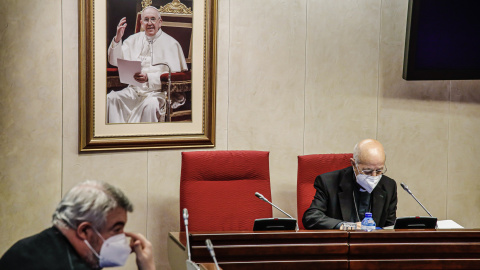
261	197
212	253
190	264
409	192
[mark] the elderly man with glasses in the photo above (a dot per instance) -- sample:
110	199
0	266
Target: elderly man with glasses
346	195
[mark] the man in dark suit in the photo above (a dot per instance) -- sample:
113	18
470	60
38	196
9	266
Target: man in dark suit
87	234
346	195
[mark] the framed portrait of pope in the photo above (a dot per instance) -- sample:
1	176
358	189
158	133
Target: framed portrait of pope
147	74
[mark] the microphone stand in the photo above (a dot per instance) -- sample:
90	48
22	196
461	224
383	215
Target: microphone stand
190	264
209	244
185	221
405	187
261	197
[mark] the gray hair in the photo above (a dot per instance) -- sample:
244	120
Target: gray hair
90	201
356	154
152	8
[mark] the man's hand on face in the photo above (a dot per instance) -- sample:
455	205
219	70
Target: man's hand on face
143	250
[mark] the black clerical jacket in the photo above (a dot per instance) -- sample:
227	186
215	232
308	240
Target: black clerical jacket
333	201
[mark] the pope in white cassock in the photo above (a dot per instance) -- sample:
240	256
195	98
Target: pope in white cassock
135	104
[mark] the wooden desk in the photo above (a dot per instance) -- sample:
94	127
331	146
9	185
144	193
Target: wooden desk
415	249
327	249
263	250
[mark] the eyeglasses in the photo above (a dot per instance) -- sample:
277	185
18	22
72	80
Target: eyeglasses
377	172
147	20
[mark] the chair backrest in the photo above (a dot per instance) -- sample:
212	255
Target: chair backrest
309	167
218	189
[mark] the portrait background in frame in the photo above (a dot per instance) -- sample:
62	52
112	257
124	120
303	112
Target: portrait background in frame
177	22
197	130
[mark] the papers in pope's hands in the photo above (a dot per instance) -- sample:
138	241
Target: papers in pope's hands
126	70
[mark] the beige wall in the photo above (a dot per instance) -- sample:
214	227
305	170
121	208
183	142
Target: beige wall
294	77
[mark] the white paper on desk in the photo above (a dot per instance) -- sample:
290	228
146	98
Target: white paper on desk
448	224
126	70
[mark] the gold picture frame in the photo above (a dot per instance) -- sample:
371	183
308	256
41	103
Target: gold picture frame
97	135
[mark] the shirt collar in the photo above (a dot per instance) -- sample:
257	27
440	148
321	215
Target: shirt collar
157	35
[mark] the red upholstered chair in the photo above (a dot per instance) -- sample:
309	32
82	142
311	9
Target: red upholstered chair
218	189
309	167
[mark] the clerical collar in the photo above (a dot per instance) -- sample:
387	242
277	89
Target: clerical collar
154	38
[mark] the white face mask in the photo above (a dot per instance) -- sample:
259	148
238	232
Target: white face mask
114	252
368	182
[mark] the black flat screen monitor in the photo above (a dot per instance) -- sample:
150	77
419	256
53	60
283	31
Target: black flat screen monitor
442	40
